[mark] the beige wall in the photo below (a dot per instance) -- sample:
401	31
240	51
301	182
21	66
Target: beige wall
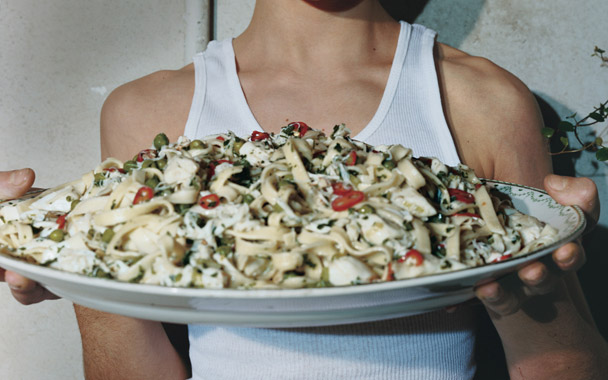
60	58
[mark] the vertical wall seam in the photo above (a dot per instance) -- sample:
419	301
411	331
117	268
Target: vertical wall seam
198	25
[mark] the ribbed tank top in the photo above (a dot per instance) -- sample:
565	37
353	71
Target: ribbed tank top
435	345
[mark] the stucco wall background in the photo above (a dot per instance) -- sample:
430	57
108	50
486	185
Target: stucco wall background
59	59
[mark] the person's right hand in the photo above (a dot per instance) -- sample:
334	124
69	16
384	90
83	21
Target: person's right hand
13	184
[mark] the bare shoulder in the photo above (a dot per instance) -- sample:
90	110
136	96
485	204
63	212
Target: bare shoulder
136	111
494	118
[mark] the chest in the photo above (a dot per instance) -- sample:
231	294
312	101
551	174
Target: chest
321	99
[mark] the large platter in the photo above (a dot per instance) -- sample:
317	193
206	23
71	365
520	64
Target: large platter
305	307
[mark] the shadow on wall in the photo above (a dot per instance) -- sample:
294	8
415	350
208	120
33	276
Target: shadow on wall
453	19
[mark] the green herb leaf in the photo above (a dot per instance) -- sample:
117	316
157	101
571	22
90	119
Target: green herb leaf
566	126
597	117
564	141
602	154
548	132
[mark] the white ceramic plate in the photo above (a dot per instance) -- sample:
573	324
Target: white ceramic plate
304	307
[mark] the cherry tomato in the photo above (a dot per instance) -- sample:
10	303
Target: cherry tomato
209	201
146	154
257	136
348	200
145	193
413	254
341	189
61	221
461	195
299	127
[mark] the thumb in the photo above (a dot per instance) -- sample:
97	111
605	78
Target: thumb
579	191
16	182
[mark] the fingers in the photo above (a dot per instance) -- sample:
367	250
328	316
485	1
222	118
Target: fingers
569	257
26	291
575	191
496	299
16	182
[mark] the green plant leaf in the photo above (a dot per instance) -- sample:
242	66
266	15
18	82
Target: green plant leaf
599	141
597	117
548	132
602	154
564	141
565	126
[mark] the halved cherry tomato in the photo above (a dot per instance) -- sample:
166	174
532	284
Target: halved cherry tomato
461	195
347	200
61	221
300	127
146	154
209	201
351	159
413	254
113	169
470	214
145	193
341	189
257	136
502	258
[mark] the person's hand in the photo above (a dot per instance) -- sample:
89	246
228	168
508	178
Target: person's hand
536	278
13	184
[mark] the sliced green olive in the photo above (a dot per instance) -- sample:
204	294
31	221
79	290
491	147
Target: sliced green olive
161	163
248	198
148	164
129	165
107	235
160	140
57	235
196	144
389	164
366	209
99	177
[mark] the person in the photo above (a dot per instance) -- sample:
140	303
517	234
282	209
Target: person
327	62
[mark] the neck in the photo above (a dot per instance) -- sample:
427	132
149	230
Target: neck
305	32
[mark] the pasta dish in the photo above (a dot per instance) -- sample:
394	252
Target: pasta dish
288	210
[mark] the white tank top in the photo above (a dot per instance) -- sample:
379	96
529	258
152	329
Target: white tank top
435	345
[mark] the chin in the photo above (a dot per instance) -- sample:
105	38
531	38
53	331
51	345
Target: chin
334	5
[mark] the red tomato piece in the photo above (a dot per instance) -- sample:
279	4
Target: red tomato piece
391	273
341	189
113	169
413	254
502	258
146	154
61	221
351	159
145	193
209	201
221	138
258	136
461	195
300	127
348	200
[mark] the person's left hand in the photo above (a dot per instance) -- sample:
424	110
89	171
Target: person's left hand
536	278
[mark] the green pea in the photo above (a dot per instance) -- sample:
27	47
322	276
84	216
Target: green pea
248	198
148	164
389	164
236	148
128	166
161	163
57	235
223	250
107	235
152	182
166	192
160	140
366	209
196	144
